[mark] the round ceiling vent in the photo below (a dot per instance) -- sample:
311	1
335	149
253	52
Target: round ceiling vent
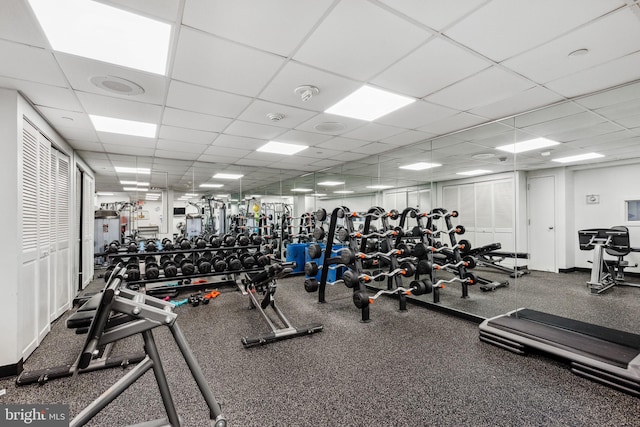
117	85
275	117
329	127
483	156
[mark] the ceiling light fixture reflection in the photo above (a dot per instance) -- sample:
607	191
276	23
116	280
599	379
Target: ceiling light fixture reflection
369	103
227	176
579	157
211	185
529	145
302	190
135	189
379	187
317	194
420	166
474	172
144	184
281	148
103	193
141	171
343	192
331	183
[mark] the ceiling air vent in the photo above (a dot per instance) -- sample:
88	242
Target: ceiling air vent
117	85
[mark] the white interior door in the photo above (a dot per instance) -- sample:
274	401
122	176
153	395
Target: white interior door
541	223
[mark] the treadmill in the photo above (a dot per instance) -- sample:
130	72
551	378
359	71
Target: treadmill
601	354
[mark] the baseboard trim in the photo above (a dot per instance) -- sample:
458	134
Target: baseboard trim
12	370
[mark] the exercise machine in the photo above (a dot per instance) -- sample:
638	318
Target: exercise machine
490	256
121	313
605	355
265	282
612	241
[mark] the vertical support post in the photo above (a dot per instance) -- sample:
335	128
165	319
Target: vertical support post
161	379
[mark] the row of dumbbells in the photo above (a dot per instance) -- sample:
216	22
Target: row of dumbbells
188	266
182	243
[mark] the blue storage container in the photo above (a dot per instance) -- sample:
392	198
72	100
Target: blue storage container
334	274
295	252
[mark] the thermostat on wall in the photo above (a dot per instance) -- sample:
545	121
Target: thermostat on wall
593	199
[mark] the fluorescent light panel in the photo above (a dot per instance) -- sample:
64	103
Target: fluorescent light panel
379	187
529	145
94	30
135	189
579	157
134	183
124	127
302	190
141	171
343	191
317	194
281	148
473	172
191	195
103	193
369	103
227	176
211	185
331	183
420	166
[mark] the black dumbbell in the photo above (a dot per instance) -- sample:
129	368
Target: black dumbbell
261	259
151	269
204	266
167	244
132	247
133	269
185	244
215	241
243	240
187	267
201	243
233	262
219	264
228	240
150	246
247	260
113	247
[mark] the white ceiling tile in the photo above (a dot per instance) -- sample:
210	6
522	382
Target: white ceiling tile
94	156
251	162
484	88
453	123
169	145
373	148
408	137
630	121
332	88
276	26
197	121
416	114
258	110
165	9
45	95
609	97
221	64
622	32
17	24
573	122
79	71
373	132
349	157
253	130
436	14
109	139
238	142
527	24
69	133
349	124
226	151
31	63
523	101
187	135
64	118
217	158
433	66
208	101
85	145
354	40
307	138
546	114
585	132
617	111
183	155
266	157
621	70
120	108
130	151
344	144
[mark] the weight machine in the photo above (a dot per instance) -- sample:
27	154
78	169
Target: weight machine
613	241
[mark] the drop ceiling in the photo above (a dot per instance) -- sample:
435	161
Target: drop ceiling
232	63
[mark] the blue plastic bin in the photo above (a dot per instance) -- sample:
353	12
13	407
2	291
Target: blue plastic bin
334	274
295	252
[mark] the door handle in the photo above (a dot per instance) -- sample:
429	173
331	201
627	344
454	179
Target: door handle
551	228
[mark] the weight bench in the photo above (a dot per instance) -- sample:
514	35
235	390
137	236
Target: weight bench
265	282
118	313
490	256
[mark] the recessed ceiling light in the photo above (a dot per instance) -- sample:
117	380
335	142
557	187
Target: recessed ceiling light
579	157
317	194
473	172
301	190
211	185
141	171
379	187
343	191
125	127
369	103
531	144
281	148
104	193
134	183
330	127
94	30
420	166
135	189
331	183
227	176
190	195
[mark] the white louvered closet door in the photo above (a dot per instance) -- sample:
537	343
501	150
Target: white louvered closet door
88	189
63	262
45	187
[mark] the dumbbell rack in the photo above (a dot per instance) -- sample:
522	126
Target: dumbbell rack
184	280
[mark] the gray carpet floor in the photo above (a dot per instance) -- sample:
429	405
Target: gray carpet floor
414	368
